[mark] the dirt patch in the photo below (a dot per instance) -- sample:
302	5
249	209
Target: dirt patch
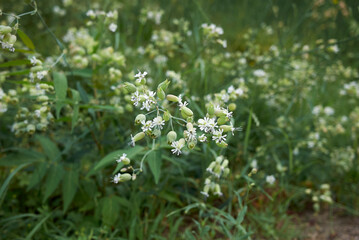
326	226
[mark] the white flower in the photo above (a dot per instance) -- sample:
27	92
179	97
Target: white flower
230	89
139	76
158	122
207	124
259	73
136	98
38	113
227	113
270	179
33	60
239	91
148	100
112	27
41	74
132	142
202	138
316	110
254	164
147	126
91	13
177	146
116	178
121	158
329	111
190	135
218	137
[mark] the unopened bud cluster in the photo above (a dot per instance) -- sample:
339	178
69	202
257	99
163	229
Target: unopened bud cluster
7	39
217	169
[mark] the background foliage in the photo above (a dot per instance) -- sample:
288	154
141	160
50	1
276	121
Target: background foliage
296	62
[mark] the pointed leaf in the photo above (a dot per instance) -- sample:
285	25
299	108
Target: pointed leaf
110	210
69	187
50	148
110	159
37	175
53	180
154	161
25	39
60	84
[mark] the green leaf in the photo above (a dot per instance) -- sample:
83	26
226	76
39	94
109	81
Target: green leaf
60	84
110	159
155	161
50	148
110	210
15	159
37	175
53	180
37	227
25	39
69	187
7	181
75	114
13	63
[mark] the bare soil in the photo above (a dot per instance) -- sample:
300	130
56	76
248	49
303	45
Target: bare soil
326	226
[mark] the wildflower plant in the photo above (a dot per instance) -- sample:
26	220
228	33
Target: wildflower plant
171	116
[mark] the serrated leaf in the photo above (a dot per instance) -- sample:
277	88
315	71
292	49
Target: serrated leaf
25	39
110	210
69	187
60	84
50	148
75	114
13	63
53	180
110	159
154	161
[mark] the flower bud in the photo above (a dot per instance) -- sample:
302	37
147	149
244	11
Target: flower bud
226	172
222	120
161	94
127	98
222	144
210	109
189	119
129	107
155	133
226	128
163	85
171	137
182	141
166	116
232	107
130	87
12	39
125	177
192	144
187	111
5	29
139	136
189	126
30	128
172	98
36	69
139	118
126	161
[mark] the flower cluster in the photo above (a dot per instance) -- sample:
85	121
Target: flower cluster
217	169
110	18
323	194
213	127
